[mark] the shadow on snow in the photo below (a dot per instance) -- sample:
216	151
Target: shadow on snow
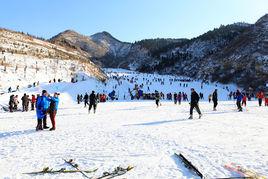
16	133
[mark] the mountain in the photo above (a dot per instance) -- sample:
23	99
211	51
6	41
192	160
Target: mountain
107	51
27	59
101	47
235	53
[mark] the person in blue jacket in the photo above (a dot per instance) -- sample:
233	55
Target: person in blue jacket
42	105
53	108
239	98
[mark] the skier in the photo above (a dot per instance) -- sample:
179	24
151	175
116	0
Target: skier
11	103
215	99
86	99
194	104
92	102
266	101
78	99
239	98
16	102
244	101
179	97
53	108
260	96
209	98
27	103
42	105
175	98
24	101
33	100
157	98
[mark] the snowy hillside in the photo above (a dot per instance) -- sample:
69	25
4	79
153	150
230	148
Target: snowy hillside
26	59
119	80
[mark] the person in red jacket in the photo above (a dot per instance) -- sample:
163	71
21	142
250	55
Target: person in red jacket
244	100
33	100
266	101
260	96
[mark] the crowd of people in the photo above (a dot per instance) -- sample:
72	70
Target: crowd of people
45	104
91	100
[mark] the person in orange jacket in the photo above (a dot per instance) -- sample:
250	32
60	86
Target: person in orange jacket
260	96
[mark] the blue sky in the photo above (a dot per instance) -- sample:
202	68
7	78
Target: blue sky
128	20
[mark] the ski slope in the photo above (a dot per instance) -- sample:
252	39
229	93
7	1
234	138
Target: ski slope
120	85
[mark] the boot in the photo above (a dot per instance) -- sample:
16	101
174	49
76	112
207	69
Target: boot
45	123
39	125
200	115
52	129
191	117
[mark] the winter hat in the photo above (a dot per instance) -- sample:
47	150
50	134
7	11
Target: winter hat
44	91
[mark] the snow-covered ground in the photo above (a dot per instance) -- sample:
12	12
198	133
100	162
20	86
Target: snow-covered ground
138	134
134	132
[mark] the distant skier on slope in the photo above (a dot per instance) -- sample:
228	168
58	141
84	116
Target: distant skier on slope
179	97
239	98
33	100
244	100
194	103
209	98
92	102
157	98
215	99
175	97
11	103
78	99
24	101
260	96
86	99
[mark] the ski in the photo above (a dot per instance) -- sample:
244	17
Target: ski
74	165
118	171
62	170
189	165
243	171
